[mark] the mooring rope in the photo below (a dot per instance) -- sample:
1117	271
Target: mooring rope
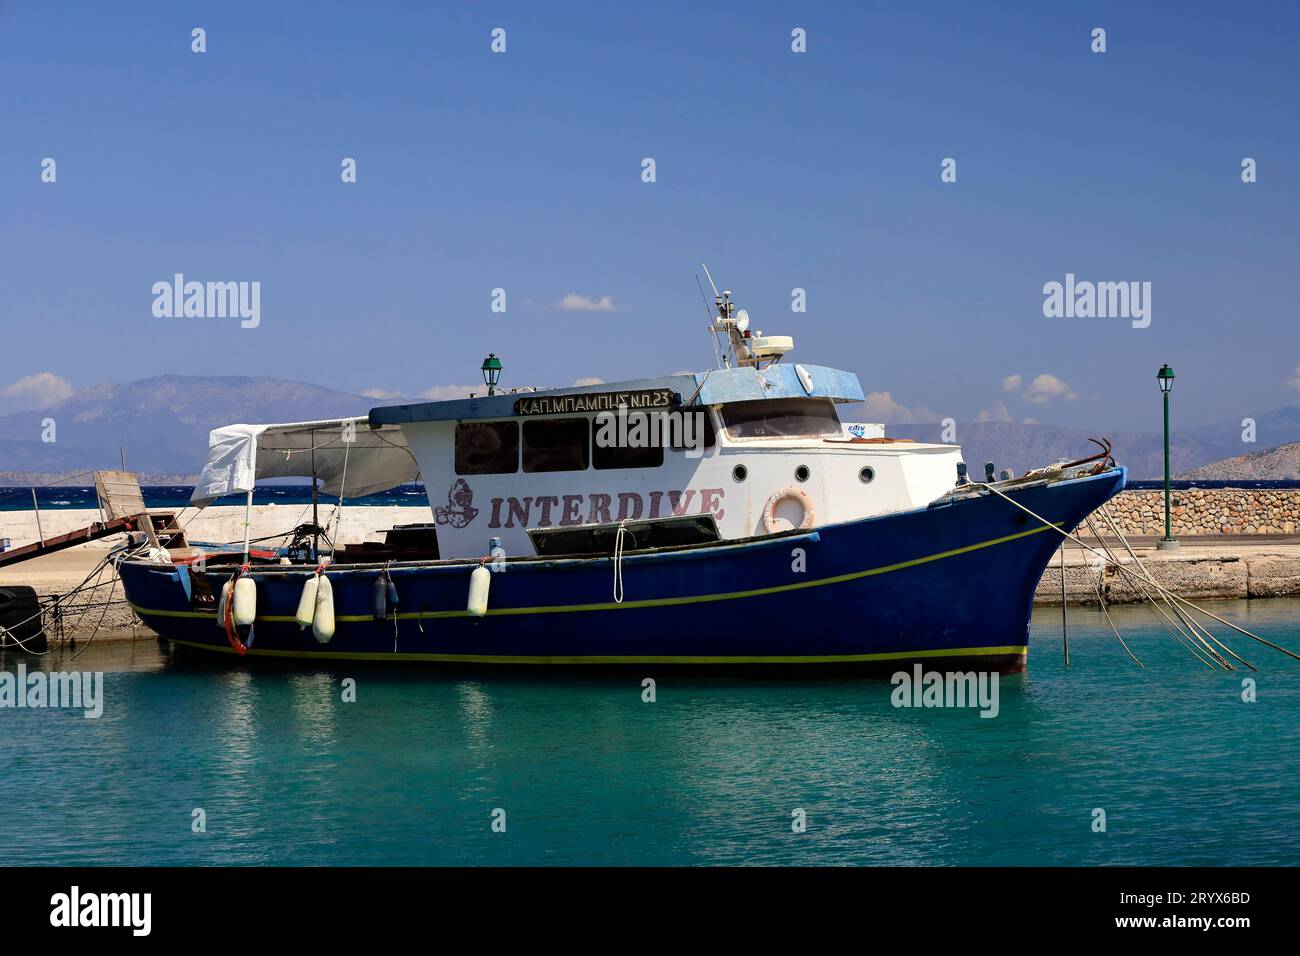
1194	625
343	486
618	558
84	587
1101	601
1159	588
1148	599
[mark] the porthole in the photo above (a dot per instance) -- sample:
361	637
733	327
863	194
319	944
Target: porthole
867	475
801	473
740	473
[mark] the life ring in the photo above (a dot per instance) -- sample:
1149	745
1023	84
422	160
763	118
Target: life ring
788	493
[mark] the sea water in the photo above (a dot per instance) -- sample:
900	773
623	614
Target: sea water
62	497
1103	763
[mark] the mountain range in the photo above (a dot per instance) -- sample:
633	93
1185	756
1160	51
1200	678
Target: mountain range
1023	446
1282	462
162	425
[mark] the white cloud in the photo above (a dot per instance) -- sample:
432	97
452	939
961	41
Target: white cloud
577	302
582	382
1295	379
1031	421
35	392
1046	387
1012	383
380	393
881	407
443	393
997	413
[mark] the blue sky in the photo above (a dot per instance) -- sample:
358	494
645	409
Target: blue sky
522	170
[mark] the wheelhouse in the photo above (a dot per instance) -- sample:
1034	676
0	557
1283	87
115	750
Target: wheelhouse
758	451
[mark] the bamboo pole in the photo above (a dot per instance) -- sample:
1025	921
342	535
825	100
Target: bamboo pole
37	508
1065	633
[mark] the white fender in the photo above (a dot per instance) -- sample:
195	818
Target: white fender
322	624
221	604
245	601
307	603
479	581
788	493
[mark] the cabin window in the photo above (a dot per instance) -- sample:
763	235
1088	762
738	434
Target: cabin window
487	448
649	455
557	444
781	418
705	418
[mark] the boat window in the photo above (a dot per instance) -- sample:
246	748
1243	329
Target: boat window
556	444
704	419
648	455
781	418
487	448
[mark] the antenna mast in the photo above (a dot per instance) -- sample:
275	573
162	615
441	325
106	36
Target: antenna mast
717	354
722	321
746	347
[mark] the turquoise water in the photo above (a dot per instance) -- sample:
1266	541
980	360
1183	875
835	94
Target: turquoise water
587	773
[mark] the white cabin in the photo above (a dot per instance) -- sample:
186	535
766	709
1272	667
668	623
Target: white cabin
733	443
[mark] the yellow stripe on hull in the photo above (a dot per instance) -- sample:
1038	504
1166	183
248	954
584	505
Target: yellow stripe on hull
1011	649
651	602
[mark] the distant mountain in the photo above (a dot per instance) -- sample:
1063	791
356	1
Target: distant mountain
161	422
1274	464
1021	447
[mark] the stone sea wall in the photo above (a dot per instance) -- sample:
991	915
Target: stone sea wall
1247	571
1201	511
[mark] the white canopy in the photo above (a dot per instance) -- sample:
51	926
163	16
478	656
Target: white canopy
350	458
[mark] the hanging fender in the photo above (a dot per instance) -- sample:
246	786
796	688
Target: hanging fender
230	615
479	581
379	599
322	625
307	603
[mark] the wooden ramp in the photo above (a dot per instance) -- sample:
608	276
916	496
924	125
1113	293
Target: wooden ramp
119	494
122	503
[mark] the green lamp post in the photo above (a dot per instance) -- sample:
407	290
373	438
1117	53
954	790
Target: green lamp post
491	369
1166	379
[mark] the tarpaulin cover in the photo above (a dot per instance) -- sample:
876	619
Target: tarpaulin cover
239	456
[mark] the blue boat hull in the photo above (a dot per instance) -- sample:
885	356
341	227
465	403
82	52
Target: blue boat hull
951	584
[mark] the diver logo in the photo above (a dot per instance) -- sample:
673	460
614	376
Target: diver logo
460	510
74	909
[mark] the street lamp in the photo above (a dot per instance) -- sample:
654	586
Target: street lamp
491	369
1166	379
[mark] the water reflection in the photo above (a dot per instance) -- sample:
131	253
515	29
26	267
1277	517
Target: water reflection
708	773
315	698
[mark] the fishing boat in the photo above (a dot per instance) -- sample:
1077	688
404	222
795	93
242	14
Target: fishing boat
724	519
